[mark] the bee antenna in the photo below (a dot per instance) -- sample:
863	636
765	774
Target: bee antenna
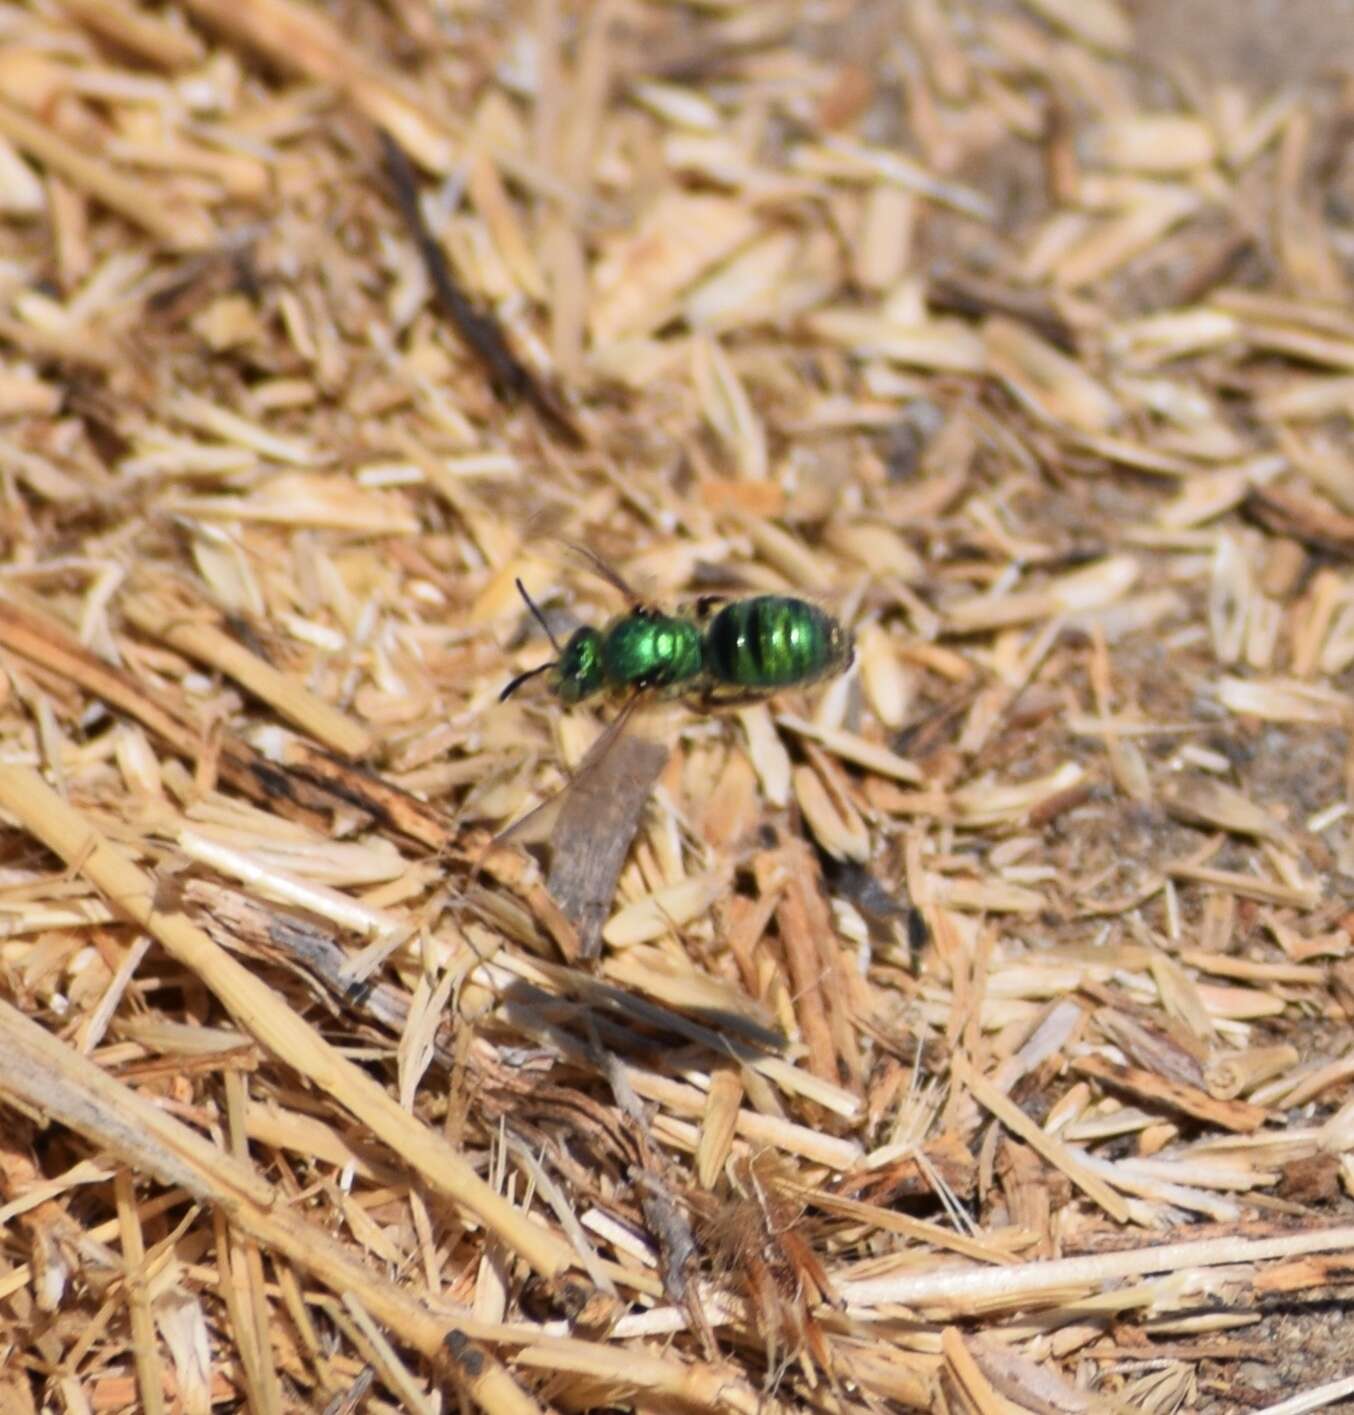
540	619
522	678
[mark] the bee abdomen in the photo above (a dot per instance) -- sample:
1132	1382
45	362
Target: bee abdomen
771	641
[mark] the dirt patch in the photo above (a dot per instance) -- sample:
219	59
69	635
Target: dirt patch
1260	43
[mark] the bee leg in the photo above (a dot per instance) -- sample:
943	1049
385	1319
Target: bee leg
722	697
703	608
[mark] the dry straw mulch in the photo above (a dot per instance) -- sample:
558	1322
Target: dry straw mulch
970	1032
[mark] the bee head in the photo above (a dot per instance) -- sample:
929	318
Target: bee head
578	670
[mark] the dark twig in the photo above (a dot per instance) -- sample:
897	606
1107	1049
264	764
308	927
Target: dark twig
511	379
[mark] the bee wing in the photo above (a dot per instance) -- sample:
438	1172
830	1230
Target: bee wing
591	822
539	823
594	831
588	557
607	571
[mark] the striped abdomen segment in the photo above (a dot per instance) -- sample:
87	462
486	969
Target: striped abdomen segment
773	641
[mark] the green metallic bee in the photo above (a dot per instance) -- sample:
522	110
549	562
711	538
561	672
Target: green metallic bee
717	653
721	654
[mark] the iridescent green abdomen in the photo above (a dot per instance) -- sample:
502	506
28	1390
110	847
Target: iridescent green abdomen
773	641
649	650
